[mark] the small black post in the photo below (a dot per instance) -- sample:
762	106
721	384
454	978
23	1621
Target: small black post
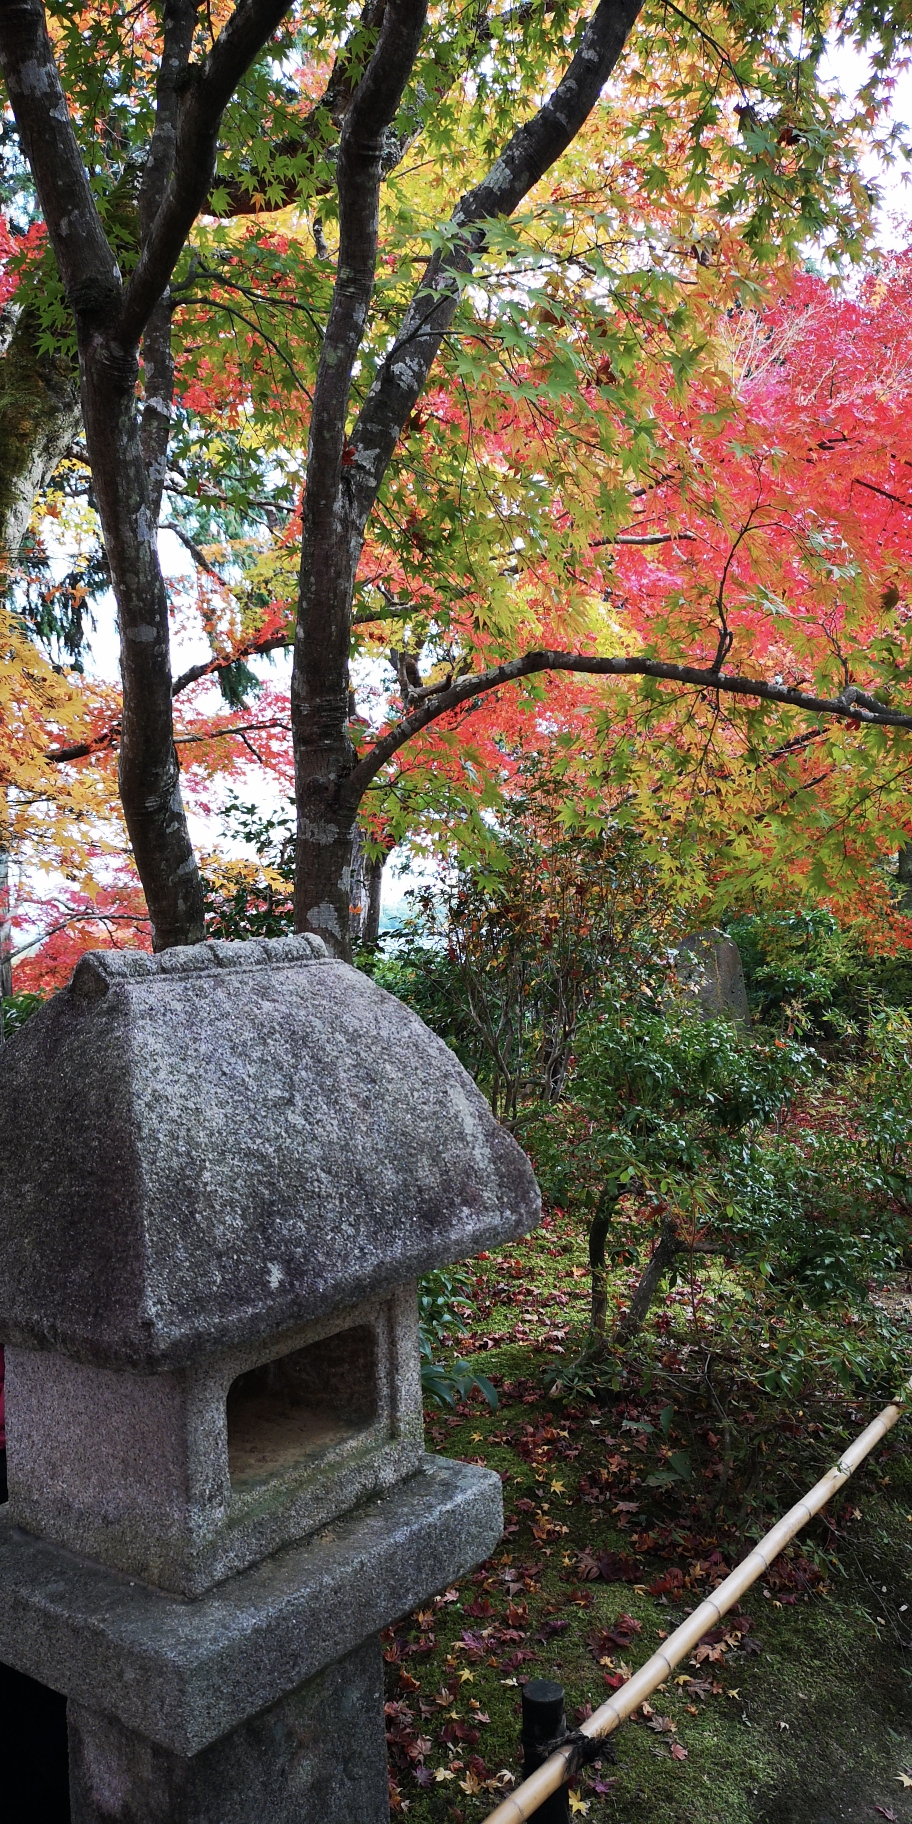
543	1720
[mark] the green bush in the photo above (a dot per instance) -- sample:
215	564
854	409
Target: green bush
444	1299
659	1097
16	1009
808	969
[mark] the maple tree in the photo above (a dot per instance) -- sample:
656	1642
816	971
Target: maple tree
769	518
723	124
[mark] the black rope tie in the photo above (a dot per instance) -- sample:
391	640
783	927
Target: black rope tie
584	1749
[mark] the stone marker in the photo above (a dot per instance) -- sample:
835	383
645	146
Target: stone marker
709	967
221	1172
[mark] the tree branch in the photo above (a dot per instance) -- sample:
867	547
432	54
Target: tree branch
883	492
179	25
243	193
644	538
199	115
88	269
358	174
199	558
853	706
528	155
210	668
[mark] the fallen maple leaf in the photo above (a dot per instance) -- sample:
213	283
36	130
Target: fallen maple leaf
678	1752
883	1811
577	1803
903	1779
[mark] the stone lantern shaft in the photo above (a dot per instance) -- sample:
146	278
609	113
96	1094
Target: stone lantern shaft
223	1170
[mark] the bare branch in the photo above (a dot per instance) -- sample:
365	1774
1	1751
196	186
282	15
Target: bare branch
211	668
847	707
198	556
220	734
884	492
644	538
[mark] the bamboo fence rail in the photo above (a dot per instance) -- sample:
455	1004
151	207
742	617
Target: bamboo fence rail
525	1801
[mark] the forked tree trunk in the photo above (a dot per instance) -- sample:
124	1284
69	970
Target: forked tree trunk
662	1258
345	468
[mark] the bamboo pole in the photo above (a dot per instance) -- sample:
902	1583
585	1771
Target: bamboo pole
525	1801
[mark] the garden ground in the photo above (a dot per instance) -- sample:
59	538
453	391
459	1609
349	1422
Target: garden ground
622	1510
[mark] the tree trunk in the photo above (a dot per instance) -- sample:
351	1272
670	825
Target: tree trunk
332	531
345	468
323	752
6	930
148	772
662	1258
112	319
904	874
39	418
598	1234
370	935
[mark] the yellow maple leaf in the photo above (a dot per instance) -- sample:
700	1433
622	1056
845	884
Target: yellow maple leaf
903	1779
577	1803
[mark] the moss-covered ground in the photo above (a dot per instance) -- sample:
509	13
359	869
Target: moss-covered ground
624	1507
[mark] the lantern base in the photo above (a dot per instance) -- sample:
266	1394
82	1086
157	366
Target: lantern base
318	1756
183	1675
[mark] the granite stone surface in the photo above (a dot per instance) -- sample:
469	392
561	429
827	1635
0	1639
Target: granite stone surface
710	967
208	1147
185	1477
183	1674
318	1756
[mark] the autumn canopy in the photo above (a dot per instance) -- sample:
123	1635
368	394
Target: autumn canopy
504	366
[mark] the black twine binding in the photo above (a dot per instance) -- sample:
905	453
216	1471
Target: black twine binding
584	1749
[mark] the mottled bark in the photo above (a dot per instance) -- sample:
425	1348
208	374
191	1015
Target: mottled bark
330	543
39	418
904	875
344	474
111	321
6	927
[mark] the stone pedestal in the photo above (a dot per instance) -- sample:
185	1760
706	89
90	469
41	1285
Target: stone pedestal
261	1701
221	1172
318	1754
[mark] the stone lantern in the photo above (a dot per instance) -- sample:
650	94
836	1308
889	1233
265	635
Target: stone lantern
221	1172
